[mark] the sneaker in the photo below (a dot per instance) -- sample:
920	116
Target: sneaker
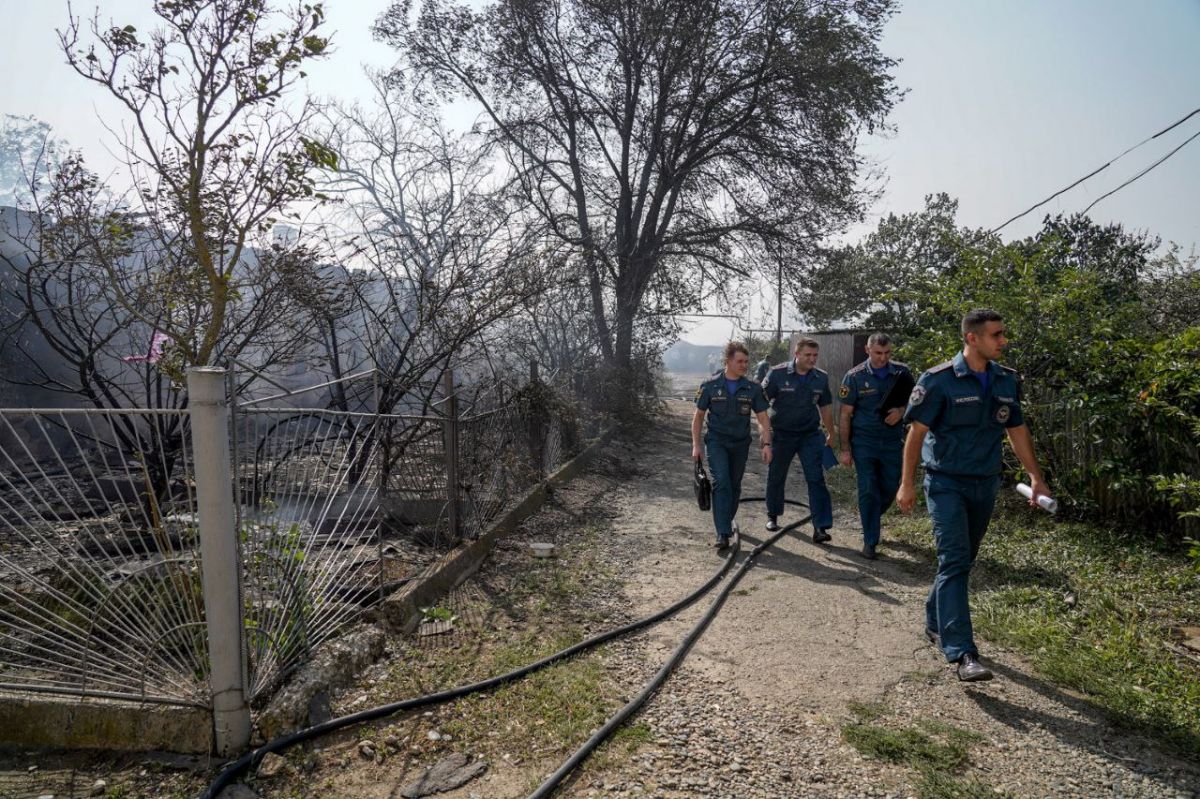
869	552
971	670
820	536
772	525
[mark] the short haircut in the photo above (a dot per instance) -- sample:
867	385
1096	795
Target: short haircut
879	340
805	341
732	348
975	320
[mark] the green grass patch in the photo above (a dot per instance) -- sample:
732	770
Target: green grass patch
867	711
938	752
940	785
1091	608
905	747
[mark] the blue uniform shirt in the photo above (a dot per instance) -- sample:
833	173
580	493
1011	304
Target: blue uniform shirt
729	413
863	390
966	421
796	399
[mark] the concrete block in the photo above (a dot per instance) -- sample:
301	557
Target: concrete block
40	720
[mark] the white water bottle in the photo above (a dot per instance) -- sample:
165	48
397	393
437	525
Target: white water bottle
1044	502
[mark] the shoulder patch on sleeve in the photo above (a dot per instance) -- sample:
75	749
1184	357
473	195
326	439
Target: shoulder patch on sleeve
917	396
844	391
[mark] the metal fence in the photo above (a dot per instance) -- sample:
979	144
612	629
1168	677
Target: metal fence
99	567
198	556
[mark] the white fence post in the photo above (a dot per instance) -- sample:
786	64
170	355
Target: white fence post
219	556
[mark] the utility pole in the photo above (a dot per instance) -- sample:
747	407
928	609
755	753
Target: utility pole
779	301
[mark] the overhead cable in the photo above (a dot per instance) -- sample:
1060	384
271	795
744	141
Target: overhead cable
1098	170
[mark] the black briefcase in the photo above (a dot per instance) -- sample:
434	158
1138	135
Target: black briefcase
898	394
702	487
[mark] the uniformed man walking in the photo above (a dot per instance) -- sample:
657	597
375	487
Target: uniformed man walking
872	440
727	402
959	412
761	369
800	403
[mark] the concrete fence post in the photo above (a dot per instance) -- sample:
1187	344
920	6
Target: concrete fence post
537	431
221	571
450	445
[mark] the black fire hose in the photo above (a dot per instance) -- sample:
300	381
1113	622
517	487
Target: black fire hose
255	756
554	780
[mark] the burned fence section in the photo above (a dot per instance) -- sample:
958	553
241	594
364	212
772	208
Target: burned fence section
100	584
197	556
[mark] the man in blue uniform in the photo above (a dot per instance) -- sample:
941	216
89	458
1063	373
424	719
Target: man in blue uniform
728	400
761	369
871	440
800	403
959	412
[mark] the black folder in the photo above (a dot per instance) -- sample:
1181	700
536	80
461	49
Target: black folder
897	396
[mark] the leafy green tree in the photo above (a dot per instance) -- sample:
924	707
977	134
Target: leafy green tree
665	141
883	280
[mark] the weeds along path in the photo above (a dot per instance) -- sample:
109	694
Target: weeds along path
814	680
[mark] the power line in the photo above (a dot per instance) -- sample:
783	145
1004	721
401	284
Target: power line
1095	172
1143	172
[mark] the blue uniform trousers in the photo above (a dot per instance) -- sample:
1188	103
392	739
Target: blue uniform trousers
961	508
809	447
726	465
877	466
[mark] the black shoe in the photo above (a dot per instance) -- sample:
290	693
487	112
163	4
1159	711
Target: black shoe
971	670
722	543
772	525
821	536
869	552
933	637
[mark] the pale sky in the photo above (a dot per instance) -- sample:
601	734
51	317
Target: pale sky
1007	103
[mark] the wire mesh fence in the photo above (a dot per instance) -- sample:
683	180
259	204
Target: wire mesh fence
99	572
101	583
308	527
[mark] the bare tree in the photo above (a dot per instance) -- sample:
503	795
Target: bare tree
665	141
435	249
216	152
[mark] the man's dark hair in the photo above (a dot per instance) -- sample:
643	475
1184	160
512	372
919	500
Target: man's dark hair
879	340
974	321
805	341
732	348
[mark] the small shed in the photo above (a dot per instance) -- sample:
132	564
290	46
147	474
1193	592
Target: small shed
841	350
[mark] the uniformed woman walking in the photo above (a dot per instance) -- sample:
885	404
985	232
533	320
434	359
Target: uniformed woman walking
728	401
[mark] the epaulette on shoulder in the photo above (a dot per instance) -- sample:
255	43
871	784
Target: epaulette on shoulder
899	365
941	367
858	367
1008	369
818	370
783	365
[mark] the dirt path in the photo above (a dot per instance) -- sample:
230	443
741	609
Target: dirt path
816	638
